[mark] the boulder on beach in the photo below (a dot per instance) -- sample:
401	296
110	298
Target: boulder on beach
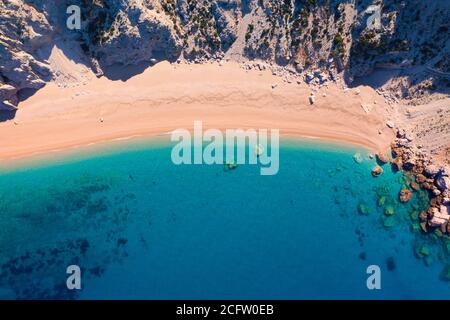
405	195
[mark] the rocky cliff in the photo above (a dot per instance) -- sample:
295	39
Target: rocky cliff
23	31
407	40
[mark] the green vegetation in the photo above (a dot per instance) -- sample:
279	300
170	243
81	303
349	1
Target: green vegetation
248	35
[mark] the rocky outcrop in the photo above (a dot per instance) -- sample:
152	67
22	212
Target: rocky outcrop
382	158
405	195
440	216
443	180
23	31
428	175
130	32
377	171
322	39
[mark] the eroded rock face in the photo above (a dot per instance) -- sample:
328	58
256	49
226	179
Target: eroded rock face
129	32
307	36
23	31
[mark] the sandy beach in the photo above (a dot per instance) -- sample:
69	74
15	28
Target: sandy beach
170	96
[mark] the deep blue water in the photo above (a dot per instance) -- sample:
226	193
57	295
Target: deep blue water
141	227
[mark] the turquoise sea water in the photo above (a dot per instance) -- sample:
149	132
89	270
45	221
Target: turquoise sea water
140	227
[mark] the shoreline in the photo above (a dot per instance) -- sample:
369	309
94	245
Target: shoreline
136	138
131	143
167	97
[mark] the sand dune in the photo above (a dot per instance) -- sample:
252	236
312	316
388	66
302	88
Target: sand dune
167	97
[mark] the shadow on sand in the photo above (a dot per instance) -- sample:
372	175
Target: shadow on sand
124	72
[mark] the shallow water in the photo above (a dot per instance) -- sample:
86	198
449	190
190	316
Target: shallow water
141	227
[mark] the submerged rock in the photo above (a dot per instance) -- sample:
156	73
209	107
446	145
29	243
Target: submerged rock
447	245
259	150
445	275
424	250
389	211
414	186
357	158
423	216
415	227
363	209
389	222
415	215
428	260
229	166
423	226
390	263
405	195
381	201
438	233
